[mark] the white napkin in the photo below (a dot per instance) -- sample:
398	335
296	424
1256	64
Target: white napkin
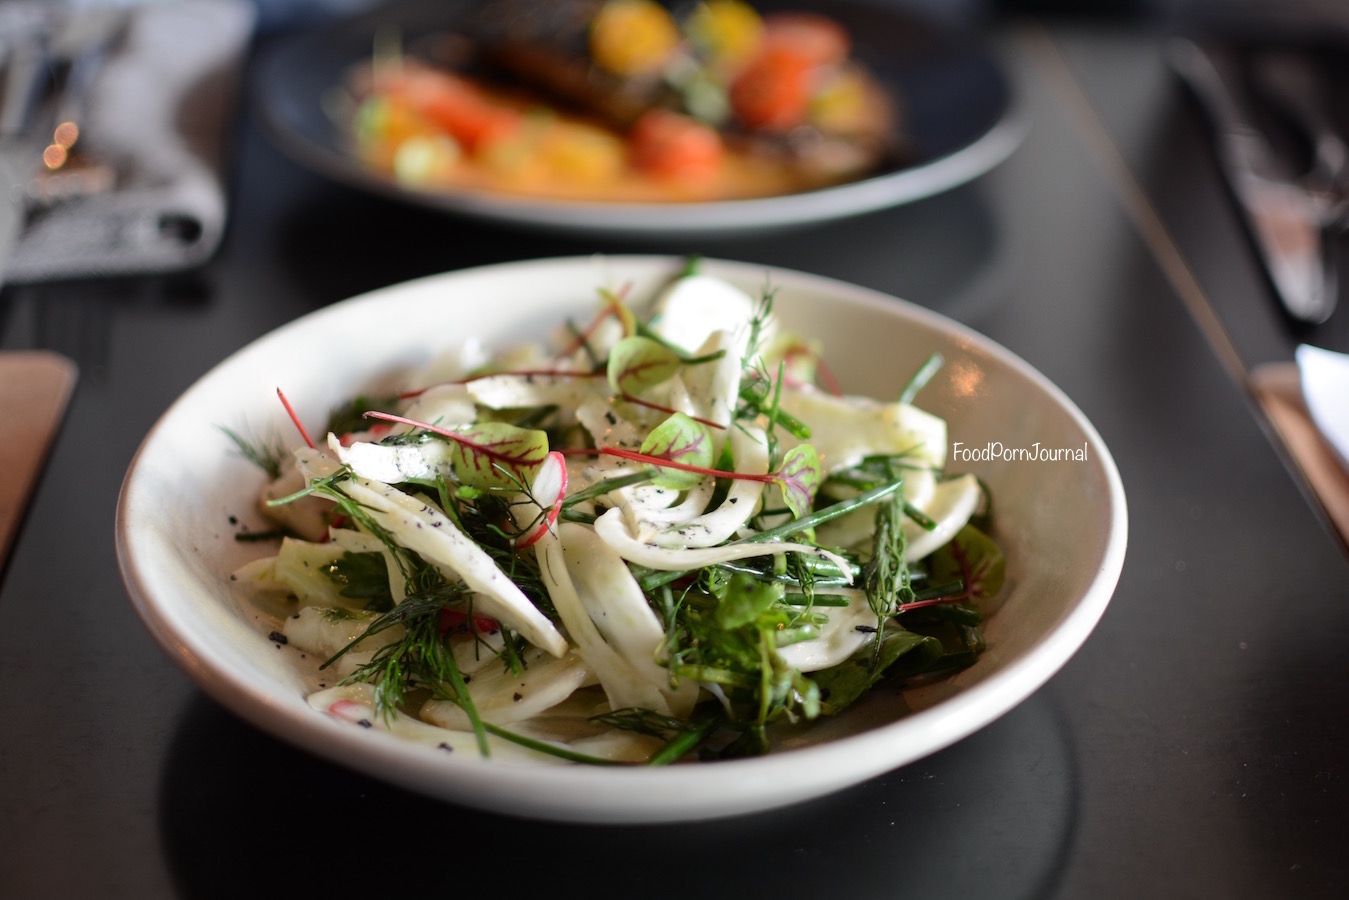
158	112
1325	388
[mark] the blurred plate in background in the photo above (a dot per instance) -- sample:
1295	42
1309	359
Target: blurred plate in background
959	121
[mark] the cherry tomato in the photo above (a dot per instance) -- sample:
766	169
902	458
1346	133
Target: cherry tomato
668	145
773	92
453	104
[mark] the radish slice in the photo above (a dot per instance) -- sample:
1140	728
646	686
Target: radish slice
549	487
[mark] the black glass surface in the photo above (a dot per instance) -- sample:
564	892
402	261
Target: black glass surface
1194	747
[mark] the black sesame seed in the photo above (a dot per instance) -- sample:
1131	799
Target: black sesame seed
278	637
365	723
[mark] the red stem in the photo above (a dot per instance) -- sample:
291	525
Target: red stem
827	376
768	478
666	409
919	604
822	371
457	438
550	519
290	410
969	577
610	309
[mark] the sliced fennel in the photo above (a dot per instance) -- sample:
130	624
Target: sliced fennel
676	558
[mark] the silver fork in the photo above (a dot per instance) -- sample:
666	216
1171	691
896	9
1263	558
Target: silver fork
1289	80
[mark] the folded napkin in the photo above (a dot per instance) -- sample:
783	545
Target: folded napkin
158	113
1325	385
1278	388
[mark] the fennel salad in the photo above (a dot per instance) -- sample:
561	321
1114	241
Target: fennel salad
664	534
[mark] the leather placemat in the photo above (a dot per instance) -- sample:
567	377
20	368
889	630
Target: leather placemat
35	387
1278	388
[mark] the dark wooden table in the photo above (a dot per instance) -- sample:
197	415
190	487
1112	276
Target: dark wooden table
1197	745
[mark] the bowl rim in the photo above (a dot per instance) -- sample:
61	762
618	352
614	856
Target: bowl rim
678	793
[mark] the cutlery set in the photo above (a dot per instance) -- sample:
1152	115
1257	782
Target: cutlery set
1295	217
48	60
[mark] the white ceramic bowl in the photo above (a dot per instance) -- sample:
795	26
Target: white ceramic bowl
1063	526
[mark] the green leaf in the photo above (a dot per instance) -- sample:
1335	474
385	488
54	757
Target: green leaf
973	557
682	440
362	576
642	721
753	741
886	575
799	478
266	454
920	378
841	685
639	363
497	455
745	599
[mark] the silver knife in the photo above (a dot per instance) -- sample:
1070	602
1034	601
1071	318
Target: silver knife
1286	221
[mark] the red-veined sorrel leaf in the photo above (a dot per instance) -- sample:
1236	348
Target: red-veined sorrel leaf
973	557
480	452
638	363
682	440
799	478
